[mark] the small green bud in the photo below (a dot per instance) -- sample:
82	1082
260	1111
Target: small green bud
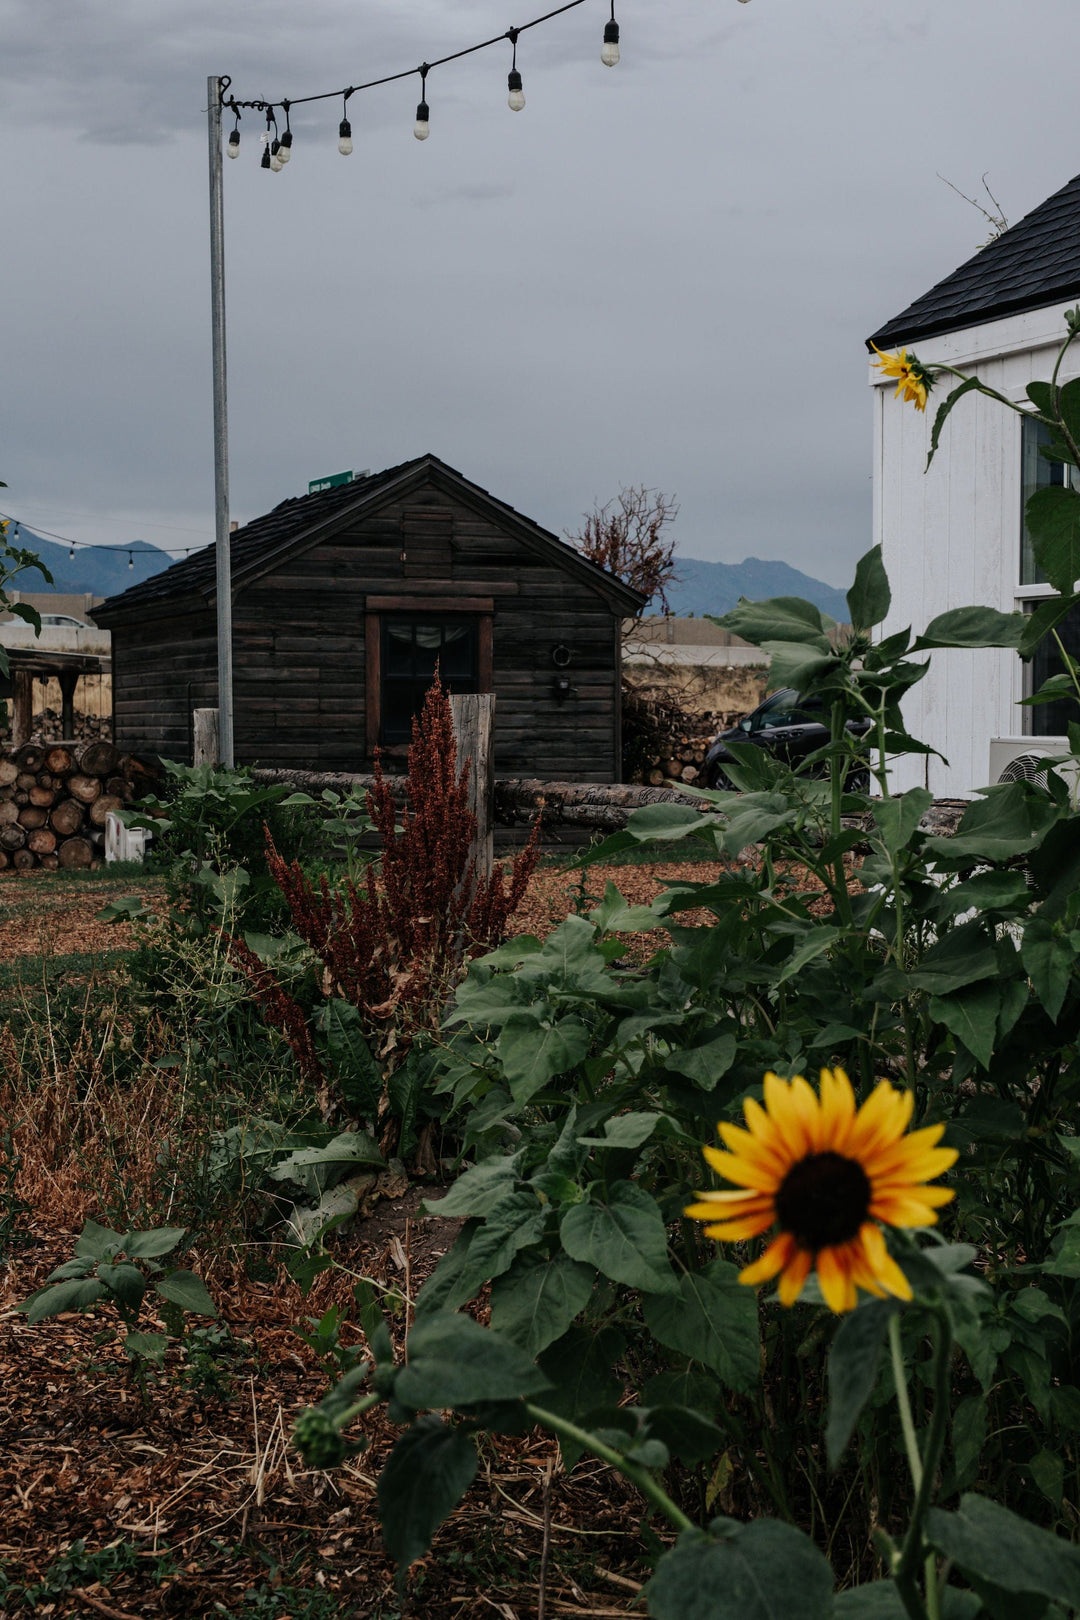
318	1439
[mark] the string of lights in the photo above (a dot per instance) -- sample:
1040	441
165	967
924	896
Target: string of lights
276	142
85	545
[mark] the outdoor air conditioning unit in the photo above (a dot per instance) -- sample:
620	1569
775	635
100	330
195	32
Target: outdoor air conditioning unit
1016	759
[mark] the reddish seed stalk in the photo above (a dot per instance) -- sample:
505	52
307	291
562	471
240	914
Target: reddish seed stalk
395	946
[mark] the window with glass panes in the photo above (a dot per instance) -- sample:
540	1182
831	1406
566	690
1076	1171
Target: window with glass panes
412	648
1045	719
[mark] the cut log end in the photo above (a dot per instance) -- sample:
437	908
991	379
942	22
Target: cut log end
74	853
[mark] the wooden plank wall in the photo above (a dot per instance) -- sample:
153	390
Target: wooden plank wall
300	655
163	669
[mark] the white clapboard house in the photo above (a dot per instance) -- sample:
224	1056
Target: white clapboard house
955	535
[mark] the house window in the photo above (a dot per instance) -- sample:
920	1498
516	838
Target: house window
412	649
1046	719
406	638
1036	473
1052	719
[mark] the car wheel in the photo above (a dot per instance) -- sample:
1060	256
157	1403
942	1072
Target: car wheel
858	781
719	780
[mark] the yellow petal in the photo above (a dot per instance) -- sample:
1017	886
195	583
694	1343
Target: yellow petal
747	1145
882	1120
784	1113
837	1107
745	1172
881	1263
904	1211
774	1259
794	1276
834	1276
806	1110
737	1231
761	1127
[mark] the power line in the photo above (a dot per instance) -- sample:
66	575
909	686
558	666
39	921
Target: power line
277	144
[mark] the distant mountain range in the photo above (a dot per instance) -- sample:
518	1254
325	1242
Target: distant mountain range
702	587
95	569
715	587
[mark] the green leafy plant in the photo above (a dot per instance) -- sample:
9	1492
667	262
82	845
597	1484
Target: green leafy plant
16	560
209	830
977	1559
118	1269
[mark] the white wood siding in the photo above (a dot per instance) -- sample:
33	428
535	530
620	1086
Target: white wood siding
951	536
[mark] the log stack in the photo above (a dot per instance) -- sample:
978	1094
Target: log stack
55	797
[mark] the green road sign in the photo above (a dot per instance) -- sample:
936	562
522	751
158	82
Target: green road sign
332	482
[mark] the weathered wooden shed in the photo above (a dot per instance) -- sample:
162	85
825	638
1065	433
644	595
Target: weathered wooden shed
343	600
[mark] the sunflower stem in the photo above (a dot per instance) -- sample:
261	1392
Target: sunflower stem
914	1545
641	1477
837	773
907	1424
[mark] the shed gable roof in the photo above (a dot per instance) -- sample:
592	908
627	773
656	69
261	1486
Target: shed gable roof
303	520
1034	263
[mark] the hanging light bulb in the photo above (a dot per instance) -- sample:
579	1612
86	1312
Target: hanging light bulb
285	149
265	141
233	147
71	551
609	53
275	156
131	560
344	134
265	164
516	99
421	128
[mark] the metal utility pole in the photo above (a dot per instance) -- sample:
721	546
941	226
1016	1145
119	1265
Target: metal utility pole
221	429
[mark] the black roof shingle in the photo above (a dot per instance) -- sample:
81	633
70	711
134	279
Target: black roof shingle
1034	263
262	539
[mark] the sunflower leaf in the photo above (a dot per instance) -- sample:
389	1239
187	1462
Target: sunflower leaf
853	1370
942	413
711	1318
988	1543
870	597
759	1571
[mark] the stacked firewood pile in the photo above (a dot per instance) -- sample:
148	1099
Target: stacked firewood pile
47	724
680	760
55	797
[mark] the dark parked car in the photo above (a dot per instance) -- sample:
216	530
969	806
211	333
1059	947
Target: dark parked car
787	726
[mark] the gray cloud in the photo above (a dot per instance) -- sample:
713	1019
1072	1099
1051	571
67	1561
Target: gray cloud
662	273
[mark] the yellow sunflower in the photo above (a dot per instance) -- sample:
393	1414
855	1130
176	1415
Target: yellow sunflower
825	1174
913	380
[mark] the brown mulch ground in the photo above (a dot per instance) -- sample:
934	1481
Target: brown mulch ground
43	914
212	1482
198	1491
206	1507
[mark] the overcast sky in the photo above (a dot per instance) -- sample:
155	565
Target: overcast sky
660	273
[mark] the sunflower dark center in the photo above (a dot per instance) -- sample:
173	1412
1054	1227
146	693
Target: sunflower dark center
823	1200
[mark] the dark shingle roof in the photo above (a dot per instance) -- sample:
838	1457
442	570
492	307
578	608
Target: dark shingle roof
261	541
195	575
1036	262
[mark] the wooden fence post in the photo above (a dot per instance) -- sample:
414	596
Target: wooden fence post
205	749
22	708
69	680
474	725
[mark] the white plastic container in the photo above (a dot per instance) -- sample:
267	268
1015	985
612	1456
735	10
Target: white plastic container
124	843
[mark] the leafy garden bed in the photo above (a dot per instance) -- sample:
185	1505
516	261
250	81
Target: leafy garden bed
611	1375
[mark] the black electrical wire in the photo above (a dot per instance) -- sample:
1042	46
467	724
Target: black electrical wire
262	105
93	545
